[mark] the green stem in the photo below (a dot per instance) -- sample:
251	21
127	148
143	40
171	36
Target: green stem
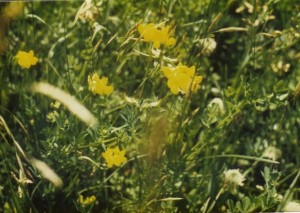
242	157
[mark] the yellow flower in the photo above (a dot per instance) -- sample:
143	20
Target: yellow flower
156	34
114	157
196	83
87	201
182	78
26	60
99	86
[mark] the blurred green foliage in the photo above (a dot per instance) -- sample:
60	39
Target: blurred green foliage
245	116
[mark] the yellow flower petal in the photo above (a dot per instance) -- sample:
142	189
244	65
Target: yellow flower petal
108	90
196	83
87	201
26	60
182	78
173	85
171	42
156	45
184	82
114	157
156	35
167	71
99	86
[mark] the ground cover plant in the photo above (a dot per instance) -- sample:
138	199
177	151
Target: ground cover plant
149	106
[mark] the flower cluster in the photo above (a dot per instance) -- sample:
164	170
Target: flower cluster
232	179
292	206
26	60
182	78
156	34
272	153
87	201
208	45
114	157
99	86
234	176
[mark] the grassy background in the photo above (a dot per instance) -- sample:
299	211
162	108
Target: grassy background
177	146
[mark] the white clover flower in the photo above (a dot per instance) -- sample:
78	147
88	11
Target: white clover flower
234	176
208	45
279	197
232	179
292	206
219	102
272	153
